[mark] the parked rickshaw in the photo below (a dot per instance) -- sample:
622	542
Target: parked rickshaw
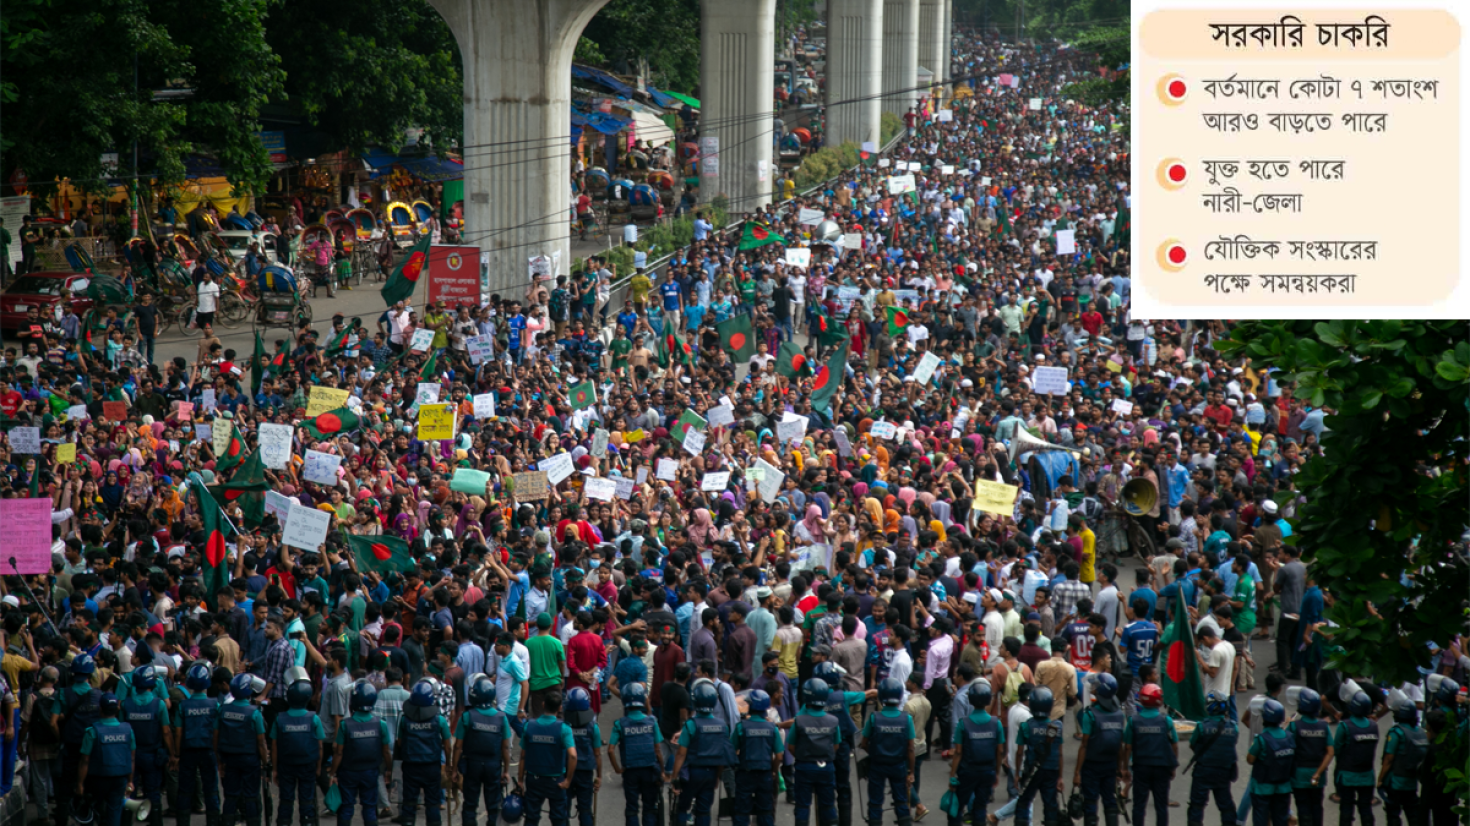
401	223
618	193
366	223
643	203
282	302
597	180
662	182
422	212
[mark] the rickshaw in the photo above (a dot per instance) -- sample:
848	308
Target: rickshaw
78	258
643	203
282	303
618	193
182	247
239	222
662	182
401	223
332	215
366	223
423	211
597	181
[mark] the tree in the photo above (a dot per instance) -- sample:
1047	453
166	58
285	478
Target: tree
663	32
1384	516
1111	45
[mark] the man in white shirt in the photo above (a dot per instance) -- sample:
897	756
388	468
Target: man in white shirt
1217	660
398	319
208	293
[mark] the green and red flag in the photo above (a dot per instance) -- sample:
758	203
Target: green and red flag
828	379
688	421
737	335
234	452
216	567
336	342
1179	673
583	395
1004	214
671	349
791	362
829	332
1123	229
405	278
898	320
247	486
431	368
331	424
754	235
381	554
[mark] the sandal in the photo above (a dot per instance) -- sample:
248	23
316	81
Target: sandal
920	811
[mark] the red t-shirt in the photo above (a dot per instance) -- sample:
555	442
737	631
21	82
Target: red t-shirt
10	402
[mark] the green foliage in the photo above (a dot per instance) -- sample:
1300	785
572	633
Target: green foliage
825	164
661	239
588	53
70	93
792	14
663	32
1111	45
891	125
1400	391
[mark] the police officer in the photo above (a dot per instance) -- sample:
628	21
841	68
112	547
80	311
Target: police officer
637	757
424	737
1437	801
1313	756
1273	762
73	713
813	745
362	751
482	752
549	759
239	746
758	749
1096	772
1152	743
111	741
296	753
1215	764
975	767
705	745
838	702
577	712
1356	745
1039	752
1404	751
193	732
147	716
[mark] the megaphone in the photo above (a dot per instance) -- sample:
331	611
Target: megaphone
1293	696
1024	442
136	810
1139	497
827	232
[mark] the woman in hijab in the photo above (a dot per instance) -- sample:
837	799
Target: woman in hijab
812	528
702	530
111	492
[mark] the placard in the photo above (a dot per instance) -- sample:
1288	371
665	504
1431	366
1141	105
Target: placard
275	445
883	163
791	430
715	482
1123	407
852	240
1050	380
426	393
771	479
927	365
481	348
530	486
899	184
76	412
946	169
25	440
471	481
325	400
1066	241
115	411
422	339
485	406
799	257
204	432
694	441
26	524
454	276
1034	104
668	469
66	453
844	447
944	115
720	416
557	467
994	497
634	436
642	475
604	490
207	400
883	430
185	411
219	437
870	146
278	504
810	217
321	467
625	486
306	528
436	421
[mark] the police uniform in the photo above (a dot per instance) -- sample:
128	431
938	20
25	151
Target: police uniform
483	733
1409	746
1149	736
815	735
77	704
1355	749
1044	764
588	739
837	703
146	715
240	726
709	749
1099	772
979	736
1312	737
636	737
1215	768
544	751
362	737
109	745
757	744
298	735
422	751
1275	753
195	718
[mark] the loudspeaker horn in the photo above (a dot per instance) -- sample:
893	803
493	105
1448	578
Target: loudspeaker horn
1139	497
1024	442
137	809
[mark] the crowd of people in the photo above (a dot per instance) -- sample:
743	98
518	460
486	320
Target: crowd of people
751	512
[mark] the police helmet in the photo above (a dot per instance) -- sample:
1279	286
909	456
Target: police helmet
816	691
108	704
298	694
144	679
83	665
759	702
828	671
980	695
1272	713
364	696
1040	702
1151	696
1309	703
1360	705
482	692
1448	693
198	677
1406	713
577	699
1217	704
890	692
241	687
512	808
423	695
1105	686
706	696
635	696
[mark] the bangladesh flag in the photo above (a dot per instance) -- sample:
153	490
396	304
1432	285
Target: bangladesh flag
738	337
331	424
431	368
671	349
1004	227
381	554
1179	675
247	485
791	361
1123	229
335	343
828	379
405	278
754	235
259	364
898	320
583	395
216	569
829	332
690	420
234	451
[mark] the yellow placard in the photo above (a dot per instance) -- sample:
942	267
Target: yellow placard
436	421
1114	366
66	452
996	498
325	400
634	436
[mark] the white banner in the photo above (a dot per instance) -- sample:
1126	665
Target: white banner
306	528
810	217
898	184
1050	380
275	445
557	467
321	467
603	489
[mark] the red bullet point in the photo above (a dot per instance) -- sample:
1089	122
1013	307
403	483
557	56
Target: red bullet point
1177	173
1177	255
1177	89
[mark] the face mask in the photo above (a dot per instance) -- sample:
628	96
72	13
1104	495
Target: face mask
771	669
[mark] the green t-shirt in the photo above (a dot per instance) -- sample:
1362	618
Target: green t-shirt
1245	616
620	348
547	656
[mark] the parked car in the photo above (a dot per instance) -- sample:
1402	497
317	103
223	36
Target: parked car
239	243
44	290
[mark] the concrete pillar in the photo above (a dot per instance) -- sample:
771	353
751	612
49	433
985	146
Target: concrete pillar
854	70
942	72
517	127
900	55
931	35
736	85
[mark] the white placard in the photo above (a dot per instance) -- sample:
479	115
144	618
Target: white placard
1034	104
76	412
481	348
790	431
485	406
603	489
883	163
715	482
25	440
694	441
642	475
844	447
946	169
321	467
219	438
719	416
799	257
625	486
275	445
278	504
927	365
1123	406
204	432
985	180
771	479
668	469
852	240
422	339
883	430
427	393
1066	241
870	146
306	528
945	115
810	217
207	400
557	468
599	443
898	184
1050	380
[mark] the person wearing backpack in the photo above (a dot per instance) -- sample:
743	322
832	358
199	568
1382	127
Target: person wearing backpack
1216	764
1096	771
1405	752
1273	762
1313	756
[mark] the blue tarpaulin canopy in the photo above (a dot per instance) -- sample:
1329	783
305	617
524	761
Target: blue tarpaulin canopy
666	101
602	78
604	122
426	167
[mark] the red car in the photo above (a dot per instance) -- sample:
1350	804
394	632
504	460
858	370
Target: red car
44	290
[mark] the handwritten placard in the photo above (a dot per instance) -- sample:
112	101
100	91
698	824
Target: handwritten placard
25	440
481	349
810	217
884	430
306	528
599	442
485	406
325	400
1050	380
422	339
641	476
204	432
927	365
436	421
790	431
771	479
844	447
471	481
667	469
625	486
219	438
557	467
994	497
275	445
115	411
720	416
26	525
278	504
715	482
799	257
530	486
321	467
1123	407
693	441
66	453
601	489
207	400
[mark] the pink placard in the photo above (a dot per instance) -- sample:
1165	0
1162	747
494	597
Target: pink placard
26	526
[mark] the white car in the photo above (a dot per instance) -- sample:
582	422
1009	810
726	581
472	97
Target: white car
239	241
